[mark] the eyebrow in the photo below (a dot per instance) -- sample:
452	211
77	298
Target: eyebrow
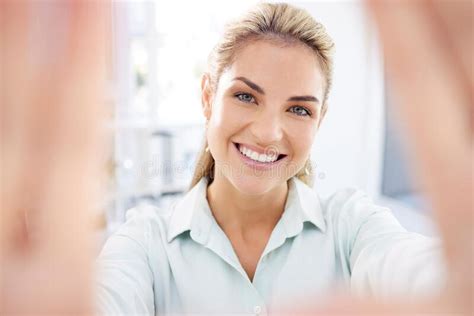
308	98
256	87
251	84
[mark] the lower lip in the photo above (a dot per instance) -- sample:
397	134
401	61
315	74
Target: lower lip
256	164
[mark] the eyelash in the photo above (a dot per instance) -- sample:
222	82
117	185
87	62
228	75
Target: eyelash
240	94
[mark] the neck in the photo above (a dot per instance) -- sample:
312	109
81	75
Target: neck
240	212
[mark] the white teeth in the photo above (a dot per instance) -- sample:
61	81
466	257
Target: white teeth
256	156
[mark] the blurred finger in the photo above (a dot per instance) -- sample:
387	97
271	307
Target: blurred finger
370	307
14	28
455	25
52	105
74	101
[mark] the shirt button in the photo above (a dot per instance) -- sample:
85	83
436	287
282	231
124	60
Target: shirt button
257	310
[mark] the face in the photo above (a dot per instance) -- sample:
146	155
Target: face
264	115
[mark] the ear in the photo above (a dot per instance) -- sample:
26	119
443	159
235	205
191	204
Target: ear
206	95
324	109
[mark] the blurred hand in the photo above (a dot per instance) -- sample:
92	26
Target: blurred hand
428	48
52	77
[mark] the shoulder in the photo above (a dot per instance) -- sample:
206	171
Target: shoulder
147	214
145	223
352	203
345	198
349	201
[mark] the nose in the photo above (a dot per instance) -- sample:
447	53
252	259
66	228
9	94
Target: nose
267	128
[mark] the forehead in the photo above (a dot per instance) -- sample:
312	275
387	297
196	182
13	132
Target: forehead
278	68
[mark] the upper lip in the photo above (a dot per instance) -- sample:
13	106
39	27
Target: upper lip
267	151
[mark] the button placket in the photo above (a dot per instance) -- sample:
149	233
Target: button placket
261	265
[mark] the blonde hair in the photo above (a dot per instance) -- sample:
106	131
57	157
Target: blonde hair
278	22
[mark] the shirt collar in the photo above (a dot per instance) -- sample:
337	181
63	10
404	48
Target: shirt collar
302	205
192	212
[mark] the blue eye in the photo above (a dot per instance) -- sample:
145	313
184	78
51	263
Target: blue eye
245	97
300	111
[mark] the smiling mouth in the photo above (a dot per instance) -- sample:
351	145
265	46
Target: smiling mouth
280	156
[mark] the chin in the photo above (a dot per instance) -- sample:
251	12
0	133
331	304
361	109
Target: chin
254	185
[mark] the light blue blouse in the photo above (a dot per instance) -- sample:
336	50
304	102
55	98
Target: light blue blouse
179	261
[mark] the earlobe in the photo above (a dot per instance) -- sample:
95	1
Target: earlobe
206	95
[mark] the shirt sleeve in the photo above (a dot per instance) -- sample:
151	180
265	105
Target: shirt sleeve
385	260
125	280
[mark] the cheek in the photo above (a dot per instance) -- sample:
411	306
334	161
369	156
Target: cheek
301	137
228	118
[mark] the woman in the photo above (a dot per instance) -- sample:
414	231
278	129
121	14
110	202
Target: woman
251	236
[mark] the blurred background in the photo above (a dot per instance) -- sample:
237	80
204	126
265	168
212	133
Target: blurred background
159	53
